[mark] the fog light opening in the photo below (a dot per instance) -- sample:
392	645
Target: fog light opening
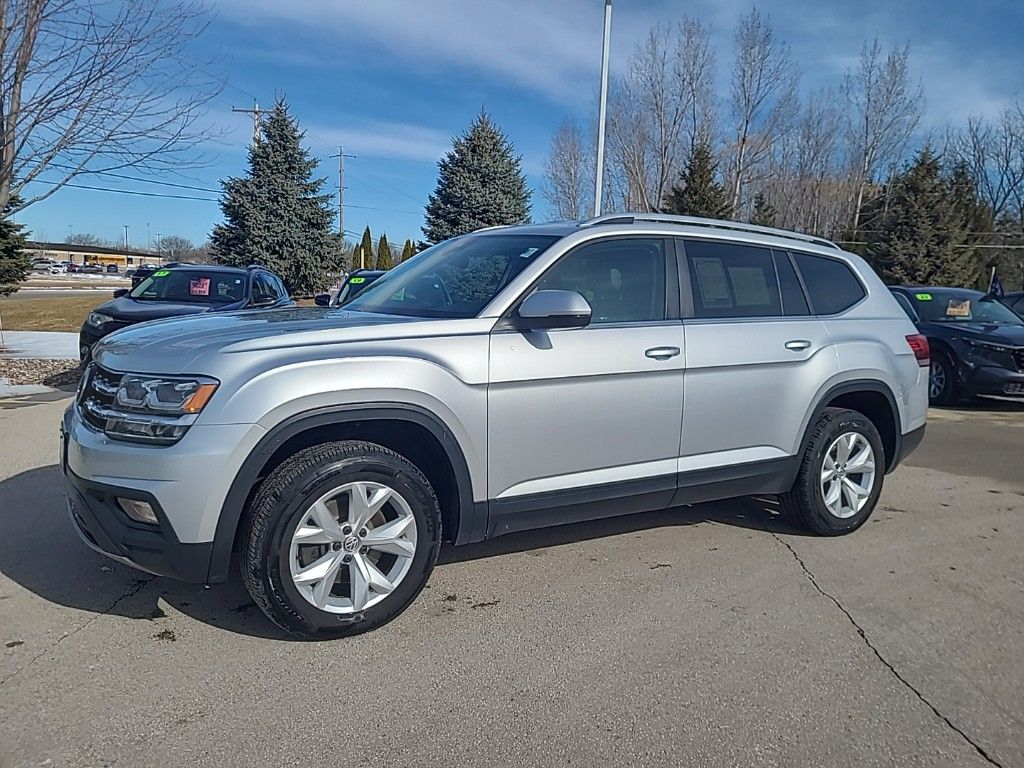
140	511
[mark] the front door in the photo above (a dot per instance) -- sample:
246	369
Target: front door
586	422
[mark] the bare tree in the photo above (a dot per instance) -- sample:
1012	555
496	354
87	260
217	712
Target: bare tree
567	173
175	248
85	238
883	109
993	153
762	99
96	86
660	109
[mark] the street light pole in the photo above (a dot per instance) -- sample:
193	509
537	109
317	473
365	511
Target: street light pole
603	108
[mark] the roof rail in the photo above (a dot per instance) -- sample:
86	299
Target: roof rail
697	221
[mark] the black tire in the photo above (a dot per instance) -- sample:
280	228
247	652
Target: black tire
948	393
805	503
281	504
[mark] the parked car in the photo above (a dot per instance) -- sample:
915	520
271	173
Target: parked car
183	290
41	265
977	343
74	268
1015	301
357	281
57	269
92	268
113	269
508	379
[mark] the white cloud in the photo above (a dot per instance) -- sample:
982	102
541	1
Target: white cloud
394	141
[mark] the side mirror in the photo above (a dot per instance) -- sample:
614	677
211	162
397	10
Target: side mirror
263	301
120	292
553	309
322	299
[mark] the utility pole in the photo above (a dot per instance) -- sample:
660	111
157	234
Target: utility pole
603	108
126	237
255	112
341	189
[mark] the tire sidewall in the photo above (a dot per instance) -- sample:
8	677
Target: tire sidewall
946	396
309	487
826	522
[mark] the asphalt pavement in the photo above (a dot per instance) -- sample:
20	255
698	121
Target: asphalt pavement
712	635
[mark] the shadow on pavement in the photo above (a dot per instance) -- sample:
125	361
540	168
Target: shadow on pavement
40	551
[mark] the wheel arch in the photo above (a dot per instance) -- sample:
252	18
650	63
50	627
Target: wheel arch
419	435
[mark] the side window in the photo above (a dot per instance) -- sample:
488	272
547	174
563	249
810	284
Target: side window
731	280
622	279
794	303
831	284
262	289
279	286
905	305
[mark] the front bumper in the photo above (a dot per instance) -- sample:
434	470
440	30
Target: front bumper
990	380
185	484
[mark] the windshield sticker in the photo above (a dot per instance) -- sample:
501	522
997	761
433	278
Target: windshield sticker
355	280
199	286
162	273
957	308
923	296
528	253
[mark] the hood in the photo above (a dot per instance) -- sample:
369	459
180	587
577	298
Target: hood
175	345
1005	334
128	310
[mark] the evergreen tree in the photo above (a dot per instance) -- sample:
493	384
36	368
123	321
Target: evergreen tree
923	221
277	215
480	184
365	251
764	212
698	192
409	250
384	258
14	264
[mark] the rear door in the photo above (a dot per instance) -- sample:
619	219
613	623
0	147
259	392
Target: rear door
755	356
592	410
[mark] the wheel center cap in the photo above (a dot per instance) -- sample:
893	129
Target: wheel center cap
351	543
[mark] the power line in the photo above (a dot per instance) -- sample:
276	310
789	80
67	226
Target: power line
137	179
137	192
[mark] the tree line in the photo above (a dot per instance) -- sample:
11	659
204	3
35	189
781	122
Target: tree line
834	162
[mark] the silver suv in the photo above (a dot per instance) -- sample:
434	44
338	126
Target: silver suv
513	378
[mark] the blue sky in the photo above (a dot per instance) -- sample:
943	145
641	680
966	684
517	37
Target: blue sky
393	80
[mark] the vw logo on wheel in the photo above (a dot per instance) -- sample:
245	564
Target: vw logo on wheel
351	543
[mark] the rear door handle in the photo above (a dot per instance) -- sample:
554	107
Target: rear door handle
662	353
798	345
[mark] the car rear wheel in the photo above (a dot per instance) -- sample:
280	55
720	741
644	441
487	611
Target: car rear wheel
840	475
340	539
941	380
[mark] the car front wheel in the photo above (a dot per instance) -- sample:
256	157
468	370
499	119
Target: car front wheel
340	539
840	475
941	380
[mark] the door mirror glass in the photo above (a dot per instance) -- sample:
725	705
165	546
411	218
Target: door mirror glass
553	309
322	299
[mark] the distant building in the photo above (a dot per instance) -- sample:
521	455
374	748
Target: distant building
90	254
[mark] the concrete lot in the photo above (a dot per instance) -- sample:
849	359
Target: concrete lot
714	635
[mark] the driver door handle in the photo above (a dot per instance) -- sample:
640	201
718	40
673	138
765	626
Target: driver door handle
662	353
798	345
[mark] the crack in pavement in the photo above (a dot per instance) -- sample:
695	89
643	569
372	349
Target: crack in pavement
863	635
131	592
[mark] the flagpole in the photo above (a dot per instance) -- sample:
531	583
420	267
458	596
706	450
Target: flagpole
603	108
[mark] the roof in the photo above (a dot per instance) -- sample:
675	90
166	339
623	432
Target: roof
934	288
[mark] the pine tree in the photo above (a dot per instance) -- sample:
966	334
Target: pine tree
916	237
764	212
14	264
276	215
385	260
480	184
698	192
409	250
365	251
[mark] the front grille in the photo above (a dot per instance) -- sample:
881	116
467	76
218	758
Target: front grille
97	394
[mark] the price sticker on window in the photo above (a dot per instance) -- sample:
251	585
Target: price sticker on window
957	308
199	286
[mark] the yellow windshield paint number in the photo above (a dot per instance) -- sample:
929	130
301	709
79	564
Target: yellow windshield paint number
355	280
162	273
923	296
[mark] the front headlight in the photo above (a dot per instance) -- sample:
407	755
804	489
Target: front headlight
997	353
97	319
153	409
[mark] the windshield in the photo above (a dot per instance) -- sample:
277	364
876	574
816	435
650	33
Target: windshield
456	278
945	306
353	287
191	286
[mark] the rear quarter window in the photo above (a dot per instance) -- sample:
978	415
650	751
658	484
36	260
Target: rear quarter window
831	284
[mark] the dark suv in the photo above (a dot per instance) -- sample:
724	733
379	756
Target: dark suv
183	290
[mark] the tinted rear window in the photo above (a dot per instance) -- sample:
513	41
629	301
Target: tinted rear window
731	280
831	284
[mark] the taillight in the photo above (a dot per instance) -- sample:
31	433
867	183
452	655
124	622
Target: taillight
919	344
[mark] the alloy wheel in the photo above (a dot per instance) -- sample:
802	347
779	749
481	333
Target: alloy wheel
353	547
936	380
848	474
